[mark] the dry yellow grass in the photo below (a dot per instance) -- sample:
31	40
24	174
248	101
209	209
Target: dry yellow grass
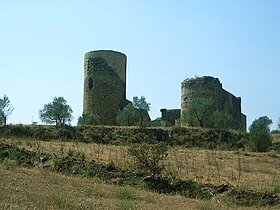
32	189
276	137
22	188
257	171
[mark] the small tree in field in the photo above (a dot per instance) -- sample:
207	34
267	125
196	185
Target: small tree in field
223	120
149	157
6	109
199	112
142	105
57	112
89	119
128	116
260	134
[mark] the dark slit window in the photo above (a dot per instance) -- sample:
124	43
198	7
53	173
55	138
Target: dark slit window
90	83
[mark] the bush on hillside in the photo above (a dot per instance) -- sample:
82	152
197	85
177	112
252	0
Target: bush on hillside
149	157
260	138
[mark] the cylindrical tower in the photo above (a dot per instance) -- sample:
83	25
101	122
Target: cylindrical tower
200	87
104	84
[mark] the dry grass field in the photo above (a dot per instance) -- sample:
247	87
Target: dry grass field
249	170
34	189
22	188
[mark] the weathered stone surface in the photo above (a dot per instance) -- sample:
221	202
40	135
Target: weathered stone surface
210	87
169	116
104	84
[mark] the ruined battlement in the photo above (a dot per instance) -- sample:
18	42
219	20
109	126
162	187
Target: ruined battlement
210	87
170	116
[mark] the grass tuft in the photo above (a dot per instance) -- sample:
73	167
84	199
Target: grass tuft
126	193
276	190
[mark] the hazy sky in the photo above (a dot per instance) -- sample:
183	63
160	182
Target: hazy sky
42	45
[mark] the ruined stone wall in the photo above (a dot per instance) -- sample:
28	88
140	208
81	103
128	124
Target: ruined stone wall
169	116
210	87
243	122
200	87
232	105
104	84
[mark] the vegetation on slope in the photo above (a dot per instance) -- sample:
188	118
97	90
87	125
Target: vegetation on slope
192	137
76	164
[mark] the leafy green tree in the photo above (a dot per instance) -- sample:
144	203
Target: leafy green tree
6	109
128	116
149	157
262	123
279	123
259	132
199	112
57	112
223	120
142	105
89	119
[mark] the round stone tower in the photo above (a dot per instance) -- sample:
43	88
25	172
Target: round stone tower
104	84
200	87
207	87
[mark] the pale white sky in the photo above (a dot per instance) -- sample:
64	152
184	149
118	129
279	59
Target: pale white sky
42	44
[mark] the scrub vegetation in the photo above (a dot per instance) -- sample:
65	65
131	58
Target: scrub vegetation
82	168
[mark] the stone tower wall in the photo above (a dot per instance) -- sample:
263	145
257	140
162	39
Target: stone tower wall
207	87
232	104
104	84
169	116
210	87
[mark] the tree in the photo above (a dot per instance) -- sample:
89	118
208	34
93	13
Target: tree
223	120
279	123
262	123
6	109
142	105
58	112
128	116
89	119
149	157
199	112
259	133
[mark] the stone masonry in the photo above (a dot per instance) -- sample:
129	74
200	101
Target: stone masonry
104	84
210	87
169	117
105	90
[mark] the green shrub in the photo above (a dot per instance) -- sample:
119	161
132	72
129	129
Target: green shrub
89	119
20	155
276	190
260	141
260	138
111	166
70	152
276	146
149	157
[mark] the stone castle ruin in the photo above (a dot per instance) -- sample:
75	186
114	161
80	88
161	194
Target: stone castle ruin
105	91
104	84
211	88
170	117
